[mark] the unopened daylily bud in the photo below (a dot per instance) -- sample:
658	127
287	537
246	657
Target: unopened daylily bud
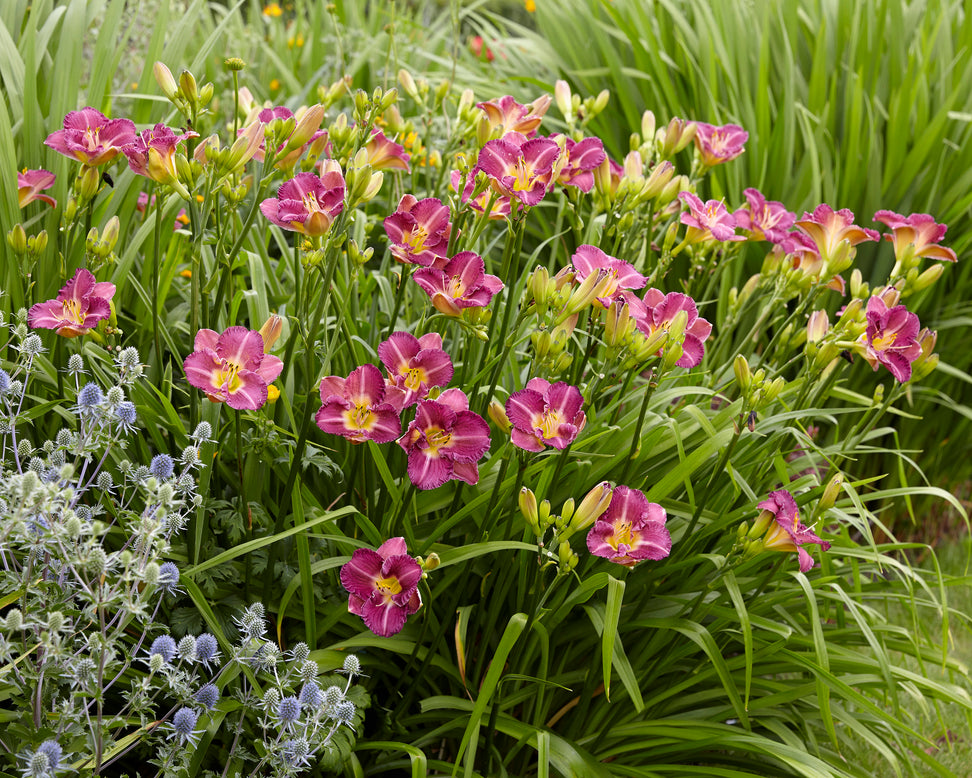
602	178
927	278
676	136
740	366
541	343
670	191
617	324
408	84
890	294
91	241
563	362
166	81
431	562
567	511
270	331
497	413
633	166
109	236
308	122
37	243
466	101
852	310
772	391
829	496
878	397
528	507
660	177
388	100
582	296
543	513
594	504
648	125
188	88
17	238
87	183
600	102
563	99
817	326
206	94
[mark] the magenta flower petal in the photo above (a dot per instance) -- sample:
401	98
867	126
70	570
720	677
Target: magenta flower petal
415	365
307	204
355	407
92	138
548	412
79	306
418	231
231	367
630	530
30	184
719	144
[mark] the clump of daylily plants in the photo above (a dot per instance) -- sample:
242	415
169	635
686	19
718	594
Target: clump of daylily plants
517	314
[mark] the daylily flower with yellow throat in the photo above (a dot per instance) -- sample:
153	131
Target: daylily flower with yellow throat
307	204
232	367
79	306
30	184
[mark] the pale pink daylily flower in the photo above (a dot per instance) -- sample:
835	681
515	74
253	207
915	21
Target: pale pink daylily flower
630	530
385	154
785	532
657	310
579	160
306	135
764	220
445	441
622	276
152	154
719	144
518	167
356	407
307	204
92	138
414	366
78	307
232	367
30	184
827	228
383	586
462	283
418	231
917	233
545	414
891	338
706	221
511	116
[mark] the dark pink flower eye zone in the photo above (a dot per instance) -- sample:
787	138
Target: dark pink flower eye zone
511	116
577	163
78	307
545	414
657	311
414	365
709	220
462	283
152	152
383	586
445	441
788	533
519	168
232	367
630	530
891	338
356	408
764	220
385	154
92	138
419	231
719	144
307	204
588	260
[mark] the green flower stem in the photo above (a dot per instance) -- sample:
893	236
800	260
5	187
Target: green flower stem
399	296
156	250
649	389
245	514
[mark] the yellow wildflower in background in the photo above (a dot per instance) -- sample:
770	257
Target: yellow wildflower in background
531	6
272	10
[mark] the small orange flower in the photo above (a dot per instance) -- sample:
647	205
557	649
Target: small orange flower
272	10
274	84
185	273
531	6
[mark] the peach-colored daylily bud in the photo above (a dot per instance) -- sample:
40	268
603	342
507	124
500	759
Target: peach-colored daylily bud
308	122
661	176
676	136
602	178
582	296
497	413
166	81
617	324
817	326
245	147
408	84
594	504
270	331
207	150
889	294
634	167
563	98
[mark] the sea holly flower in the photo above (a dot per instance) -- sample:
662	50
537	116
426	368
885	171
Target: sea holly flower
31	183
414	365
509	116
545	414
578	161
500	207
384	154
418	231
92	138
383	586
658	310
764	220
630	530
307	204
445	441
152	154
828	228
707	221
462	283
518	167
891	338
78	307
716	145
232	367
356	407
916	235
620	275
781	529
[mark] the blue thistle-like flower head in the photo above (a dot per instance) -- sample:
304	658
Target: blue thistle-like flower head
90	398
164	646
184	725
207	649
4	382
311	696
169	577
162	467
296	752
288	711
125	415
208	696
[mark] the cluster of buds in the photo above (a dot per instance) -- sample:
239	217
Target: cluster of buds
578	112
627	187
184	94
99	250
361	180
756	390
27	248
228	162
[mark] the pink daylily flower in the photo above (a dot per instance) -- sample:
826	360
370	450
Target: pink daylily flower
385	154
462	283
787	533
232	367
827	228
719	144
707	221
519	167
579	160
630	530
306	135
891	338
656	312
418	231
545	414
78	307
356	407
590	259
445	441
511	116
383	586
414	366
152	154
31	183
764	220
918	232
307	204
501	205
91	138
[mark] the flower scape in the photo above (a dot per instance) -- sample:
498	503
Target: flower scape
350	429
